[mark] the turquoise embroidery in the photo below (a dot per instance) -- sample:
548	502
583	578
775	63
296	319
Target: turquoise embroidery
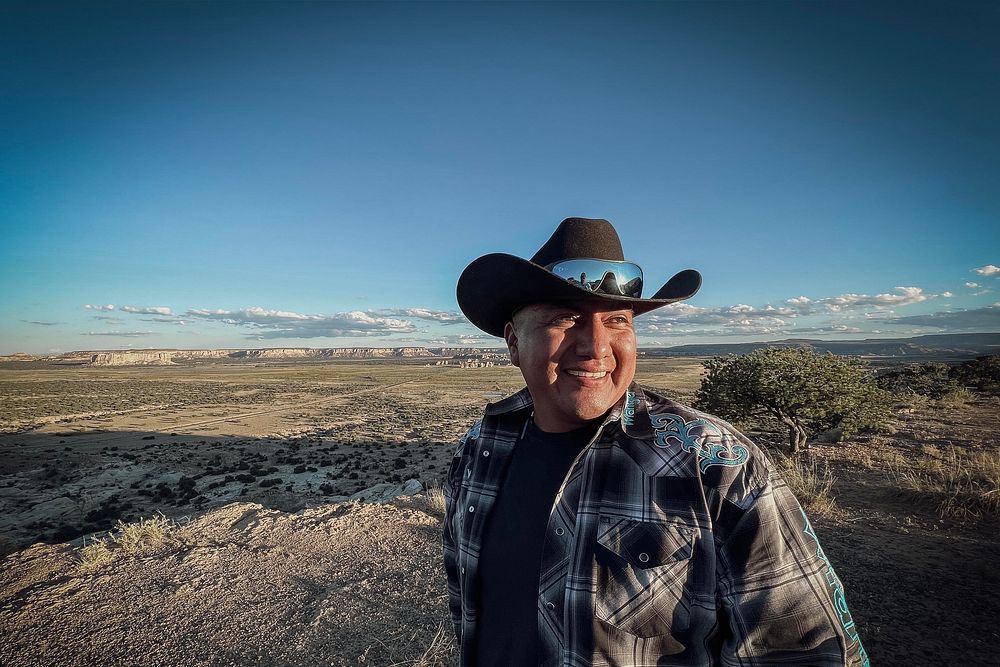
693	436
628	412
837	590
472	433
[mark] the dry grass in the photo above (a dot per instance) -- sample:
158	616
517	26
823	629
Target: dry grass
129	538
811	483
960	483
143	535
958	398
432	499
95	554
442	651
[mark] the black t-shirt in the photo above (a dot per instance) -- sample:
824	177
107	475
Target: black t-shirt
510	558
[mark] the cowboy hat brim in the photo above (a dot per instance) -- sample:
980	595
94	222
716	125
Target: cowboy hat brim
492	287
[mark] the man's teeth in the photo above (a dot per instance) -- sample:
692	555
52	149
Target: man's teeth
585	374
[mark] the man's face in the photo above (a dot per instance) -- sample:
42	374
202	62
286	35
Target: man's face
576	359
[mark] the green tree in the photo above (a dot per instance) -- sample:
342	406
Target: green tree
803	390
982	373
931	379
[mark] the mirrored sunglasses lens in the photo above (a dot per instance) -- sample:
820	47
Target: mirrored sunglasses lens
612	278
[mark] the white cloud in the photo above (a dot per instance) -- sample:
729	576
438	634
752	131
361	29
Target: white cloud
905	297
745	319
947	295
158	310
833	328
972	285
92	307
123	334
982	319
443	316
681	308
988	270
266	323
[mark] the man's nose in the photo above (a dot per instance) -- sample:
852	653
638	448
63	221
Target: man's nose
593	339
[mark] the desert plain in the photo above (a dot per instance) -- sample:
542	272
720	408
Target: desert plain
268	482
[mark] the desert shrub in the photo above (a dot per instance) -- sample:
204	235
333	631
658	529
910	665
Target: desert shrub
930	379
958	482
801	389
142	535
128	538
94	555
811	484
432	499
958	397
981	373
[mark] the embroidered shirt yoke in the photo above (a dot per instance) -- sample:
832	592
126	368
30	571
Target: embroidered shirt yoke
671	541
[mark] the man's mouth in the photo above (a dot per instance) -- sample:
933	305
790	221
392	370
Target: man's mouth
585	374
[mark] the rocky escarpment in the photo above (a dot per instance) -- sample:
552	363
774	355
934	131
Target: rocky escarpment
332	353
132	358
169	357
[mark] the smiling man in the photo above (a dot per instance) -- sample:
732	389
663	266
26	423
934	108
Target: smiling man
590	521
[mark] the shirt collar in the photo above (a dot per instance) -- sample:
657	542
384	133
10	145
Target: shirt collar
631	411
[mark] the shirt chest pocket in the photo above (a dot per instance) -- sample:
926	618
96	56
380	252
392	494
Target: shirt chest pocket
641	572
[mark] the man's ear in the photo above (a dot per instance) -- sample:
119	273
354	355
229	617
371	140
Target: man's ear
510	336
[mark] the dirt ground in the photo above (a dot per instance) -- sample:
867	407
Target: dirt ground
287	444
922	587
342	584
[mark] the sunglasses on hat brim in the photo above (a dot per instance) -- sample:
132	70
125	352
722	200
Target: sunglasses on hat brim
601	276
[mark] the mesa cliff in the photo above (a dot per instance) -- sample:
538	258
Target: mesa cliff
170	357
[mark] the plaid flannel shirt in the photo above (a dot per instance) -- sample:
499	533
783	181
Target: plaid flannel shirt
672	541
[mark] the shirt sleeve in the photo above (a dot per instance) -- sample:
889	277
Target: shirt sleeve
781	600
451	541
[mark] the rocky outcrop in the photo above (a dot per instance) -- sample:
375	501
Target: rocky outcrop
132	358
168	357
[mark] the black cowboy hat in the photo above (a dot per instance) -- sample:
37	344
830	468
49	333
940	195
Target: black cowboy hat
492	287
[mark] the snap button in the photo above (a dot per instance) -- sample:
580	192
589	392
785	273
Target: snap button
560	531
643	558
472	508
486	453
549	606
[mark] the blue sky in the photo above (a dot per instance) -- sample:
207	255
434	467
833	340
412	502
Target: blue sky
310	174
